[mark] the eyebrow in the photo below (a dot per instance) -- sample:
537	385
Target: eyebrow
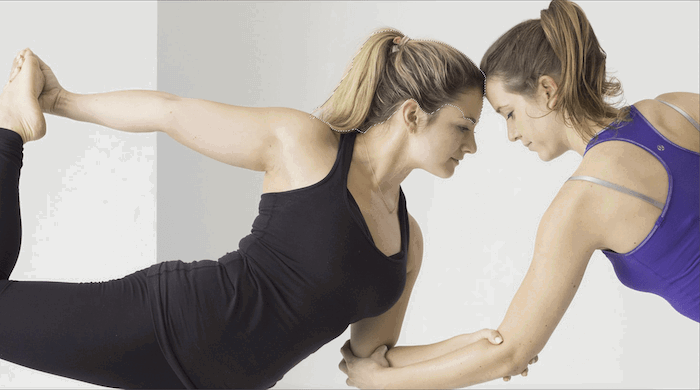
498	110
470	119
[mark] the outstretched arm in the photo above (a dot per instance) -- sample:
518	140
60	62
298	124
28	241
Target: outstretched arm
566	239
246	137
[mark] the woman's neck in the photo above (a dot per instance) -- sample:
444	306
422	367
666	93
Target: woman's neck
381	154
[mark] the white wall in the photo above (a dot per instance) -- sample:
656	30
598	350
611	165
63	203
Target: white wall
479	226
87	193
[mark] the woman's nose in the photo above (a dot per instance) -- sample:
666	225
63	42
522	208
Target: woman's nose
469	145
512	134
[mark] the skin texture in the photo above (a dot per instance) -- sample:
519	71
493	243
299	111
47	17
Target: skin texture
19	107
296	150
572	228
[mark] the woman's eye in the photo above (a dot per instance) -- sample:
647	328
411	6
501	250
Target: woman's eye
510	115
464	128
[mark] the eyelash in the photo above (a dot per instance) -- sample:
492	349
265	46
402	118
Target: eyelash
510	115
464	128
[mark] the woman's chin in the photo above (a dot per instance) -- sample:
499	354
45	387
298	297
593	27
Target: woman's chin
547	156
445	173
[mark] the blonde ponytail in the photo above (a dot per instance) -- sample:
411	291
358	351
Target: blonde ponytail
388	69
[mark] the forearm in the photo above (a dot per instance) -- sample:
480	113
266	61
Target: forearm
475	363
135	111
406	355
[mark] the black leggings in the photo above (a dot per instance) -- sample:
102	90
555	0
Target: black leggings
101	333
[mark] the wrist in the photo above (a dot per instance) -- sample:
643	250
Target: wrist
64	103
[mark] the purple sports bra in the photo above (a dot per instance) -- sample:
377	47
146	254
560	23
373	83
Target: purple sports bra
667	262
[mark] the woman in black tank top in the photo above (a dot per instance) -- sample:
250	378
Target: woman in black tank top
333	244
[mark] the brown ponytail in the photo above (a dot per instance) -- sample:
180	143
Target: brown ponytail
561	44
389	69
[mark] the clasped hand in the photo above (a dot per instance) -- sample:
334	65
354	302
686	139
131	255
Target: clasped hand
362	372
50	87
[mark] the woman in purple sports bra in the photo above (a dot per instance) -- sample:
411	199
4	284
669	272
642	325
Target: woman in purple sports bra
634	196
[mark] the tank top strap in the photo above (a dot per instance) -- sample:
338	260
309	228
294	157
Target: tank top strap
347	145
680	111
405	232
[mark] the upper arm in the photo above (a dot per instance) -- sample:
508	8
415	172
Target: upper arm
566	238
369	333
246	137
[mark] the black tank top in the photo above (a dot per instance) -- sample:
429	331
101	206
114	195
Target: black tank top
313	242
308	269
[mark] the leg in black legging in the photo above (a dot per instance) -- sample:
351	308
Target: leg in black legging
11	147
100	333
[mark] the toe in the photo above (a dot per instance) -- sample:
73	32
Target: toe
15	72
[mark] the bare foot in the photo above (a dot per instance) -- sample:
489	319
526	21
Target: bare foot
19	104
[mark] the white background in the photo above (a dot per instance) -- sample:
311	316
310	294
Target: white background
479	226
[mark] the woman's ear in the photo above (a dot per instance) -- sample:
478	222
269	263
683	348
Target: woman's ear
547	90
412	115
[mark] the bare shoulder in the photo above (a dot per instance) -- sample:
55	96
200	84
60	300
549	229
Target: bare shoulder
579	213
670	122
301	136
689	102
415	245
292	124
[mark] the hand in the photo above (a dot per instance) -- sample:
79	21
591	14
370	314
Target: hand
51	91
362	372
524	373
489	334
494	338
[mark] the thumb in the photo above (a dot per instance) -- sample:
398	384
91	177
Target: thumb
492	335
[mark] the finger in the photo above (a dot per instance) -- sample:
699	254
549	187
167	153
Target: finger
380	351
19	61
348	356
343	367
15	61
493	336
524	373
534	360
42	65
506	378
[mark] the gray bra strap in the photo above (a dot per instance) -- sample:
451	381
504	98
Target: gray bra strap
697	126
619	188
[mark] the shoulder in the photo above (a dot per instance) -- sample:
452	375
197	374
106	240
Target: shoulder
664	116
670	122
295	124
577	213
415	245
689	102
299	134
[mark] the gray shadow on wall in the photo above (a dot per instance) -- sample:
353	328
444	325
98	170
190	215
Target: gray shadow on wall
204	207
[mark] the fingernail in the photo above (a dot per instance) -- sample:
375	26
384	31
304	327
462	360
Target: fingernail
498	339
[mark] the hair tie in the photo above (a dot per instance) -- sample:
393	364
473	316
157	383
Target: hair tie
399	42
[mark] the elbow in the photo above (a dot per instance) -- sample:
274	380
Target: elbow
516	360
